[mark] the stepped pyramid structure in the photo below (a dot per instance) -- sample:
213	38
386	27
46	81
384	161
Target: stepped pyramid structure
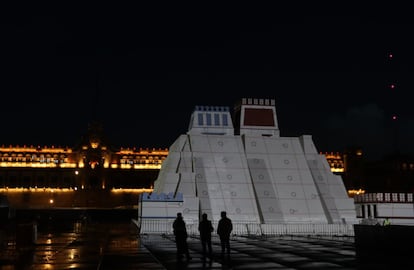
238	162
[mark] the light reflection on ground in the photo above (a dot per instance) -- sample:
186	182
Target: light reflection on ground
71	245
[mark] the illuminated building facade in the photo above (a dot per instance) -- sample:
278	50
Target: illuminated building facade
335	161
350	166
393	173
85	175
246	169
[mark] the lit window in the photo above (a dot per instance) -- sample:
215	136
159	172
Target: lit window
225	120
200	119
208	119
217	119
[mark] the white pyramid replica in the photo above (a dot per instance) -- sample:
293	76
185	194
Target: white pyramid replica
241	165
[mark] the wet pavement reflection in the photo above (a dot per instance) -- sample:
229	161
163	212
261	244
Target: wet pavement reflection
80	244
87	244
115	244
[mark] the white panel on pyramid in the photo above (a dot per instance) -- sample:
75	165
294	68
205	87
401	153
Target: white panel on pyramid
249	171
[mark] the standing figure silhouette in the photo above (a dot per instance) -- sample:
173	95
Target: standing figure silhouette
205	228
224	229
180	233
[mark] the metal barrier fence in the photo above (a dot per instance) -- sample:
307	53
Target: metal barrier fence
164	226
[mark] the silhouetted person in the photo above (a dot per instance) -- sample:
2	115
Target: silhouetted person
205	228
224	229
180	232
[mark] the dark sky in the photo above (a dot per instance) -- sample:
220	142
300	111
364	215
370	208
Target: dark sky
142	72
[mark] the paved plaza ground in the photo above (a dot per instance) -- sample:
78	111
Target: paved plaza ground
117	245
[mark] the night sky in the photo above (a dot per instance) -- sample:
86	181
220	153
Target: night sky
142	72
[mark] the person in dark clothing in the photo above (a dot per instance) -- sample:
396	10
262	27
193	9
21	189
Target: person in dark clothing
180	233
205	228
224	229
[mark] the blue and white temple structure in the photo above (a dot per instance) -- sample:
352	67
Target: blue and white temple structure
236	161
